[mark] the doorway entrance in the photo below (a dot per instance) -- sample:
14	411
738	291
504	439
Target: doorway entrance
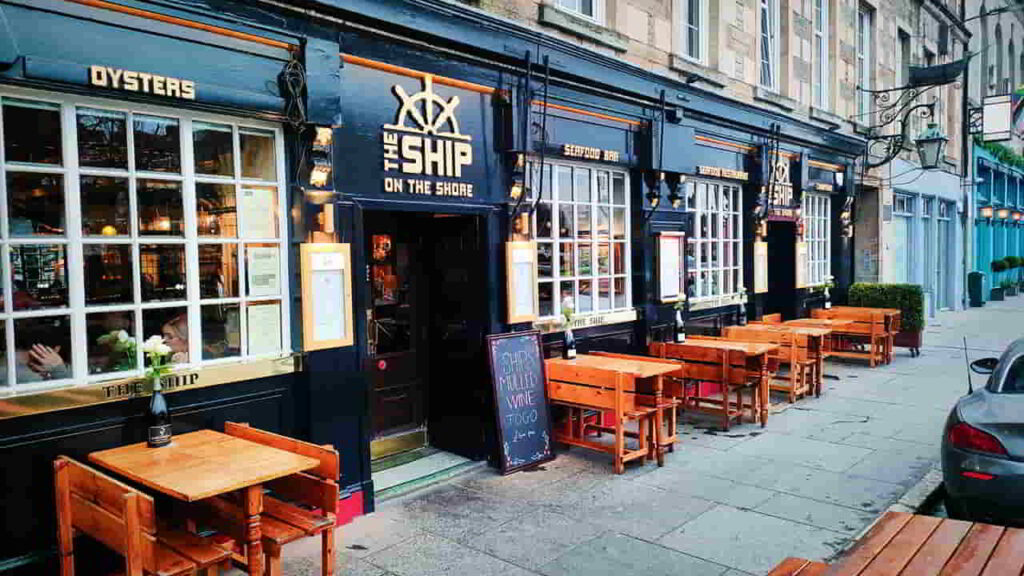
426	319
781	298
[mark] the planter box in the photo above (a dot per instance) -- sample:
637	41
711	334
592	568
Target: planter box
1011	290
905	339
996	295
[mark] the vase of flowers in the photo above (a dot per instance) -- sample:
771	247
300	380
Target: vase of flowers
829	285
568	339
158	417
122	350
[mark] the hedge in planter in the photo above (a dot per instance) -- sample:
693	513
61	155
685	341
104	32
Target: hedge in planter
909	298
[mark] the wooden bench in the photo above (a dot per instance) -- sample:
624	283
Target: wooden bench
868	327
727	368
772	318
123	519
298	506
794	566
581	388
798	351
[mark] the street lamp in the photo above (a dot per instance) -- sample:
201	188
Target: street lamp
930	145
986	212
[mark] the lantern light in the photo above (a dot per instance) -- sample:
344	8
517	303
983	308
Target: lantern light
1003	213
986	211
930	145
1016	216
319	174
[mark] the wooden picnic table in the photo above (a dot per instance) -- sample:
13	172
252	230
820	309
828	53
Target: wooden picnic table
204	464
758	356
893	319
808	340
650	370
901	544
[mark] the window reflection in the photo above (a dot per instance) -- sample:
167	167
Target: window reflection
258	159
172	324
157	144
221	331
108	274
39	276
42	349
31	132
111	342
102	138
35	204
218	270
163	271
105	206
214	151
545	294
159	205
215	205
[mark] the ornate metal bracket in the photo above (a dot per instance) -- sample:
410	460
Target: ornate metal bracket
888	146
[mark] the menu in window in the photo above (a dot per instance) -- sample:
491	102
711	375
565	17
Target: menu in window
257	213
264	270
264	329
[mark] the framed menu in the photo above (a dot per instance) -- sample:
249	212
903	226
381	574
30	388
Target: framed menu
801	264
521	276
760	267
326	296
671	266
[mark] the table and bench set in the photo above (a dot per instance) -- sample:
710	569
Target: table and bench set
636	398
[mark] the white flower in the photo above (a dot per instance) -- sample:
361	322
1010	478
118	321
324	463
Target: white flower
152	344
163	349
567	304
122	336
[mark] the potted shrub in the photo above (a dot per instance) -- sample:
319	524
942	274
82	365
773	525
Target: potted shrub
1014	263
997	291
909	298
1009	286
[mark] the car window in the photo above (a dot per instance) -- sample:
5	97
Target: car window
1014	381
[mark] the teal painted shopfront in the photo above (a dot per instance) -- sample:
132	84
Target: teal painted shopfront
998	222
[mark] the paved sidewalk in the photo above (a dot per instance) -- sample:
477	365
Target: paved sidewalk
724	503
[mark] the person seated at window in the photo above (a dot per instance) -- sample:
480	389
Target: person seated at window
175	333
38	357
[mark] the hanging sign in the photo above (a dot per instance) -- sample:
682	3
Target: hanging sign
132	81
521	401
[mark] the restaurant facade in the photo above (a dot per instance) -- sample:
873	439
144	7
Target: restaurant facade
326	209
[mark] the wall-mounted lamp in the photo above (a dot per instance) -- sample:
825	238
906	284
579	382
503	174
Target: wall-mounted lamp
319	173
839	179
320	164
653	180
674	181
1016	216
323	139
1003	213
986	211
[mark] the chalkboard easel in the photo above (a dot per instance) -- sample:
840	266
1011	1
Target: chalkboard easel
521	400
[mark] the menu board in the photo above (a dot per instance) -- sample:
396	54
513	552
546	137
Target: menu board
326	295
670	266
521	401
521	274
760	267
801	264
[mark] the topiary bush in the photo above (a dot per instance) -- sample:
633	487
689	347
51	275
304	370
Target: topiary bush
909	298
1012	262
998	265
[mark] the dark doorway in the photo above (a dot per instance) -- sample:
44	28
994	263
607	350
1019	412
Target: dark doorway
781	269
426	324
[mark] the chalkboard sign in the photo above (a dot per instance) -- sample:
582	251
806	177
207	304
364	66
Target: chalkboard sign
521	400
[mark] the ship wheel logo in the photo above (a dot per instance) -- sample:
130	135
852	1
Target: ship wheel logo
426	112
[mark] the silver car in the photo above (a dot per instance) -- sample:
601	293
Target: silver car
983	444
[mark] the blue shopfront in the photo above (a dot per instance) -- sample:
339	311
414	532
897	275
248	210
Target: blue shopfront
998	228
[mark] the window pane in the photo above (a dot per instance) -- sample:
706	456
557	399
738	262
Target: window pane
619	223
3	354
218	270
583	224
565	221
102	138
214	150
604	301
603	217
42	349
620	292
258	158
603	194
544	220
586	259
619	249
586	300
105	206
545	256
259	209
172	324
619	189
221	331
111	342
109	278
31	132
39	276
567	259
263	269
564	183
160	210
215	207
546	297
35	204
582	180
566	295
157	144
587	7
603	259
163	272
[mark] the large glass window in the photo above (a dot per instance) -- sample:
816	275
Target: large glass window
817	234
714	254
769	45
694	29
122	224
591	9
865	24
820	57
581	226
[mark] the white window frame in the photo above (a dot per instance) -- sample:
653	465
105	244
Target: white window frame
820	77
552	197
817	210
575	7
73	239
865	32
699	25
768	45
710	281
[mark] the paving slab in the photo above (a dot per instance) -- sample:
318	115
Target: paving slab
831	487
433	555
535	538
712	488
619	555
804	451
806	511
455	512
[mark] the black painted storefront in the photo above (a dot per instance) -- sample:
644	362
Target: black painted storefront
599	103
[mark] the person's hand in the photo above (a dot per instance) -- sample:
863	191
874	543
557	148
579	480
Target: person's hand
42	359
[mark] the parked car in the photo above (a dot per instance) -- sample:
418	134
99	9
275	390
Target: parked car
983	444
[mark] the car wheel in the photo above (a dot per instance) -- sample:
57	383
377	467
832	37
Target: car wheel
956	508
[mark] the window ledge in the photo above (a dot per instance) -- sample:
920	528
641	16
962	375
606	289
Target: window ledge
587	29
697	72
826	117
762	94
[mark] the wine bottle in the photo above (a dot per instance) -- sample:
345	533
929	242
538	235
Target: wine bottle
158	418
568	345
680	327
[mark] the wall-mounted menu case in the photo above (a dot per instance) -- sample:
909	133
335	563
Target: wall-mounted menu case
326	296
